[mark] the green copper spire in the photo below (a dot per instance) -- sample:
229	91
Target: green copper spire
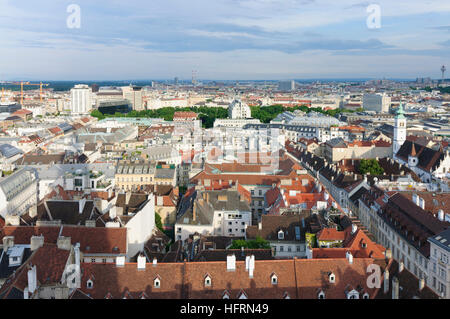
400	112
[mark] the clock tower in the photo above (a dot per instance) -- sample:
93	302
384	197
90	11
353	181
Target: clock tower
399	130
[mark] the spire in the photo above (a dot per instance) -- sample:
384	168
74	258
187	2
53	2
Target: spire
413	150
400	112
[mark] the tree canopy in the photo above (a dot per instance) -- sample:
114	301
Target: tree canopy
258	243
370	166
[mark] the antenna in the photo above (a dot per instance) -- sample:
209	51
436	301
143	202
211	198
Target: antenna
443	69
194	77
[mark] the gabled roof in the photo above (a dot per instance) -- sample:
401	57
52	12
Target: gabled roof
428	159
93	240
50	262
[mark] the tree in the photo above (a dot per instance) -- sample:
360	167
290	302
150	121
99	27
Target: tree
370	166
257	243
158	222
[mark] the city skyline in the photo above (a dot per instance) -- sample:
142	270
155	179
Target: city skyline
226	40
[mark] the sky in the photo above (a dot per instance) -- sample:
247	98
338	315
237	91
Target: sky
223	39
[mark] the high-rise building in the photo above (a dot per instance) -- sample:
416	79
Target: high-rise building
379	103
80	99
399	130
286	85
134	95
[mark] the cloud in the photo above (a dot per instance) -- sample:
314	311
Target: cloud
243	36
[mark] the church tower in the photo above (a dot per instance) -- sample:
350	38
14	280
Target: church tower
399	130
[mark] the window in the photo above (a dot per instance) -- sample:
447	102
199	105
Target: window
89	284
207	281
331	278
281	235
321	295
274	279
157	283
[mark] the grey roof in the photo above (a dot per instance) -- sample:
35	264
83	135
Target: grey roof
442	239
9	151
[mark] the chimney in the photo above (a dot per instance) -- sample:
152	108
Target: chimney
25	293
141	262
194	211
401	266
388	253
441	215
36	242
251	266
395	288
421	284
386	281
8	242
76	250
155	262
12	220
354	229
64	243
120	261
32	279
350	258
81	204
32	212
422	203
231	262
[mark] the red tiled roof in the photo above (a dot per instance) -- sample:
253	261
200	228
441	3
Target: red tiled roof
331	234
93	240
297	278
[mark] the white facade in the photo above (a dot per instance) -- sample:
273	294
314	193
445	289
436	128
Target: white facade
81	100
140	228
231	223
440	265
239	110
399	131
18	192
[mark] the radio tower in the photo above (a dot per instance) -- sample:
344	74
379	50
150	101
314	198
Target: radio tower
443	69
194	77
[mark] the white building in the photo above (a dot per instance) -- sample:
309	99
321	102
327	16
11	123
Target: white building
239	110
439	263
399	130
18	192
80	98
379	103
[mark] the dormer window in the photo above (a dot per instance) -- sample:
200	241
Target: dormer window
207	281
321	295
353	294
331	278
226	295
274	279
89	284
157	283
242	295
281	235
366	296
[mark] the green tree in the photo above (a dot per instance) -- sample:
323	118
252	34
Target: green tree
370	166
257	243
158	222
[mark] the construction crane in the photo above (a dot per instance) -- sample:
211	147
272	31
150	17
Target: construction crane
22	83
